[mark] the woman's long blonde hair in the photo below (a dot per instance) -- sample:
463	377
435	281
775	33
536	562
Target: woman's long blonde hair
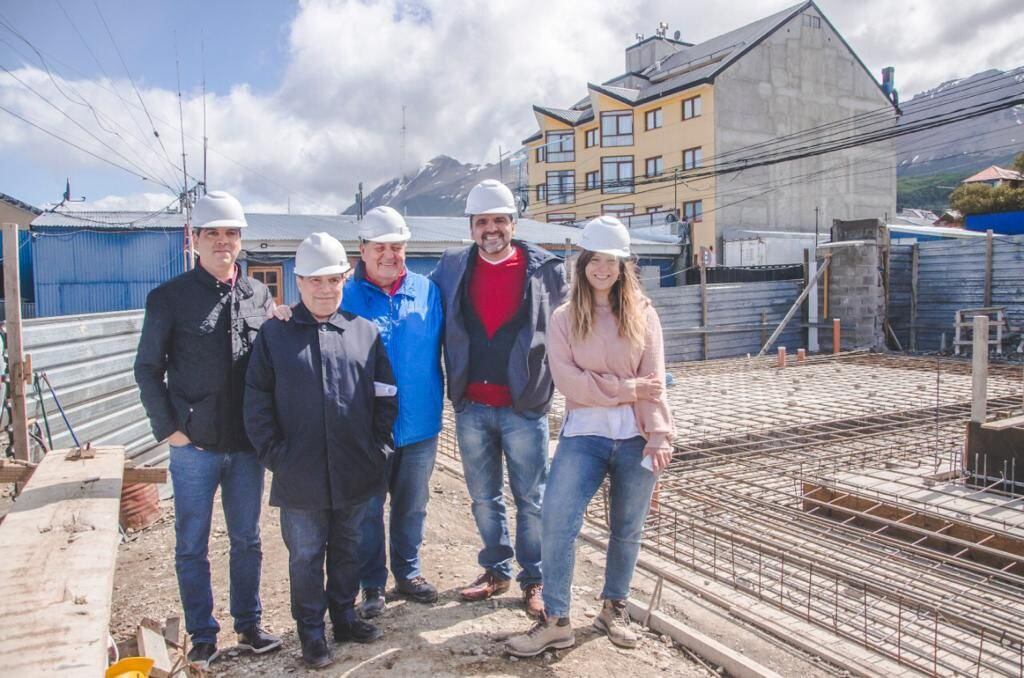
628	301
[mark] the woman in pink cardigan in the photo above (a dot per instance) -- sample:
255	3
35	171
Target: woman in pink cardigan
608	360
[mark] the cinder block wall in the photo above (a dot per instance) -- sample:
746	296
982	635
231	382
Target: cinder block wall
856	290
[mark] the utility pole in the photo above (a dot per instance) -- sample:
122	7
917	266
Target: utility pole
359	203
202	61
501	173
812	298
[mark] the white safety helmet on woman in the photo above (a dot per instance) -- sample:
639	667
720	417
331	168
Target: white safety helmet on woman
606	235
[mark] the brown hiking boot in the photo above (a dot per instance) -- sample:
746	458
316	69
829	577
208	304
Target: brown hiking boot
533	599
543	635
484	586
614	621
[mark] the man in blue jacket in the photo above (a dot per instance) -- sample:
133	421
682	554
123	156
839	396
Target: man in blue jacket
406	307
319	407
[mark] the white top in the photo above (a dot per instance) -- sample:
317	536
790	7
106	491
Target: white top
616	423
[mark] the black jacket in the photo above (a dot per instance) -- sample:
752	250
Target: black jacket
312	412
527	373
199	333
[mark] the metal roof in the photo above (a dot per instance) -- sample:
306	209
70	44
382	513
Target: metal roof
19	204
994	173
286	231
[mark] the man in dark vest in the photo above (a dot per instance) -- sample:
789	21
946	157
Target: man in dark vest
498	295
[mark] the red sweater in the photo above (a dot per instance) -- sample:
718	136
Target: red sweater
496	291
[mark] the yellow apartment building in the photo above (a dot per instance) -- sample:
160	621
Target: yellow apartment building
645	141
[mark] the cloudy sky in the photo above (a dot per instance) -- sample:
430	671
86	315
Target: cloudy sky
304	100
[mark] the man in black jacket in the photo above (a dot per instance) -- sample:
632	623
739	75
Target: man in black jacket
198	331
320	403
498	295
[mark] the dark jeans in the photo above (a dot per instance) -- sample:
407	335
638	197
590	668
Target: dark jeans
409	486
487	436
580	465
310	536
195	476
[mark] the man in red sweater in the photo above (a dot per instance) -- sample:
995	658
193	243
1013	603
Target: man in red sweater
498	295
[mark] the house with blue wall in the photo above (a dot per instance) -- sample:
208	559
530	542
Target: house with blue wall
91	262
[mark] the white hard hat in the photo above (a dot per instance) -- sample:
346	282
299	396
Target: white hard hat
218	209
320	254
383	224
490	197
606	235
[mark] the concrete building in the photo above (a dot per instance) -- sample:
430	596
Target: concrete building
90	262
657	137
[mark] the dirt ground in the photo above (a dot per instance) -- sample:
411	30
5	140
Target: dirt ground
450	638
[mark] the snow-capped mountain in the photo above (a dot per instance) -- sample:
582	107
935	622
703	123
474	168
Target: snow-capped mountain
439	188
969	145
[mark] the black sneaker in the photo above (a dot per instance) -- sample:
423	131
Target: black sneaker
202	655
357	630
417	589
316	653
373	603
258	641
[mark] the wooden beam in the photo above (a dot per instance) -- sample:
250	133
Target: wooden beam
10	473
794	308
1003	424
56	579
15	349
152	644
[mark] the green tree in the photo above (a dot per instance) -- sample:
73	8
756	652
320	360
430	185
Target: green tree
982	199
1018	162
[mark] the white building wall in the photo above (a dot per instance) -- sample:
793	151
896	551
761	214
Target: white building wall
798	78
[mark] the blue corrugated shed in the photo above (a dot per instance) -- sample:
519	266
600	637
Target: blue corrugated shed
91	271
1004	223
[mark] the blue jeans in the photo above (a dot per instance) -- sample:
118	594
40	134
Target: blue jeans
195	476
580	465
409	485
486	435
310	535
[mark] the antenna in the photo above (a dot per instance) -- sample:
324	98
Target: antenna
676	35
662	28
181	123
66	198
401	167
202	65
639	37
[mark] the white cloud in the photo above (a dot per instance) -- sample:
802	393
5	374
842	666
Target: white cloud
467	73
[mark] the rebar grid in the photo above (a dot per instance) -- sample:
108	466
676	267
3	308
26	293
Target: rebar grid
738	503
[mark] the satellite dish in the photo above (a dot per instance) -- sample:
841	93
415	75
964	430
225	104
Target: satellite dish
676	35
671	218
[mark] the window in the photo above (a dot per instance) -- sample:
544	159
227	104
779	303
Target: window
617	128
542	192
561	146
654	167
561	217
590	138
540	153
270	276
619	210
654	209
561	187
652	119
593	180
693	211
691	108
692	158
617	174
812	21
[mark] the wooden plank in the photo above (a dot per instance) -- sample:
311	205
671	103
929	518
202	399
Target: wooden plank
12	327
10	473
56	577
1003	424
721	655
793	309
152	644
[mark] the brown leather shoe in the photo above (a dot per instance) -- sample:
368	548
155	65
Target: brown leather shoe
484	586
533	599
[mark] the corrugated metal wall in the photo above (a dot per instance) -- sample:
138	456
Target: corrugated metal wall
86	271
900	261
89	361
951	276
729	306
